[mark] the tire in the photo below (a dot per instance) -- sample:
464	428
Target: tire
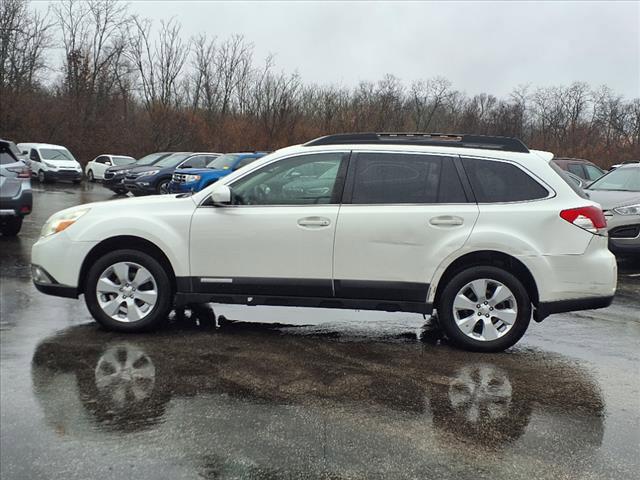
41	177
90	176
488	329
130	313
163	187
11	227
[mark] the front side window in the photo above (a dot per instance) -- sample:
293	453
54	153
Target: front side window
199	161
243	162
301	180
172	160
392	178
497	182
34	155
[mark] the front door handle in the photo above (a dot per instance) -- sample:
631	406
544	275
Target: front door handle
446	221
314	222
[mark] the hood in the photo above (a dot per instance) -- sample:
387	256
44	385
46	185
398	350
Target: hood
62	163
609	199
208	172
125	168
148	168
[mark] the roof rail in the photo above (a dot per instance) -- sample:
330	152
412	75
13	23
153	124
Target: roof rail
507	144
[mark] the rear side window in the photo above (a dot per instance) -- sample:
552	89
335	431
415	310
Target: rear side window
387	178
497	182
576	169
568	180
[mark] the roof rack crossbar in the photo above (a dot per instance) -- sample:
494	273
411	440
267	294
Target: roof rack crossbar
507	144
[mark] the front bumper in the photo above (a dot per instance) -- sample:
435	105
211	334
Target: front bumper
139	186
70	175
175	187
114	183
46	284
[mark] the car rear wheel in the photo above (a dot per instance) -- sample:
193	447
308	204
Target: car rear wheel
11	226
484	309
129	291
90	176
163	187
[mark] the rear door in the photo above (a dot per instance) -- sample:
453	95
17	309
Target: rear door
403	213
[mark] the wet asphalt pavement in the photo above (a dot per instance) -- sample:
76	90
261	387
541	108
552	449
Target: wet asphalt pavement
276	393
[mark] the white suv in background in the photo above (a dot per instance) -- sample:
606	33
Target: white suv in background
51	162
480	229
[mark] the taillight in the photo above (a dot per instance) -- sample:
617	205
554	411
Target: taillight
588	218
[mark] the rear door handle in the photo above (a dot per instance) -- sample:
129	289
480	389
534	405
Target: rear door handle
314	222
446	221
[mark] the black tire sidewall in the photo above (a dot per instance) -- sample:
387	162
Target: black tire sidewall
11	227
90	176
162	183
160	310
447	321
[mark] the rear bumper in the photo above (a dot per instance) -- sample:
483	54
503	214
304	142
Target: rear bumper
544	309
18	206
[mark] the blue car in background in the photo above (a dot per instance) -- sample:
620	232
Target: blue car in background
195	179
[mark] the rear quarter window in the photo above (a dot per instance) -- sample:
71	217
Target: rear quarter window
498	182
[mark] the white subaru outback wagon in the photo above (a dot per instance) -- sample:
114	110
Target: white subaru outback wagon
481	230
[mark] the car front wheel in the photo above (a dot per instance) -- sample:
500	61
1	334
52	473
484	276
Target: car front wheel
163	187
484	309
129	291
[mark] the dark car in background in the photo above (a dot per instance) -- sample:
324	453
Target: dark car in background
584	169
618	192
114	175
16	199
154	179
195	179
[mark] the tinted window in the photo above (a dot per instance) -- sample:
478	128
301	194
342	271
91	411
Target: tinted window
406	178
34	155
198	161
301	180
576	169
494	181
5	157
568	180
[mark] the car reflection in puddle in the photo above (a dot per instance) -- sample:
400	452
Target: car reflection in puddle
246	394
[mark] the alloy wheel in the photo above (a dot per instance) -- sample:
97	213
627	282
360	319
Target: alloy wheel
485	309
126	292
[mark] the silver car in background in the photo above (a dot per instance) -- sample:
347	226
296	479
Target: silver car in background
618	192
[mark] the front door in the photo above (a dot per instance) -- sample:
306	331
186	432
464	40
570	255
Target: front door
276	237
404	213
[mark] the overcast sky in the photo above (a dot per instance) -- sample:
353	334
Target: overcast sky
480	46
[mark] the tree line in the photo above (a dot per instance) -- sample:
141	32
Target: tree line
129	86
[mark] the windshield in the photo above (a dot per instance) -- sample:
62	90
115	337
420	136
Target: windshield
223	162
152	158
621	180
172	160
122	160
56	154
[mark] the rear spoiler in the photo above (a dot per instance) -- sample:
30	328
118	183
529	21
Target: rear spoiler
546	156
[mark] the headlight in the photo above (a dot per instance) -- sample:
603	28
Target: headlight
118	172
191	178
628	210
149	173
62	220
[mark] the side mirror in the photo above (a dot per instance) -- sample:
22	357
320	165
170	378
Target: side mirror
221	195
